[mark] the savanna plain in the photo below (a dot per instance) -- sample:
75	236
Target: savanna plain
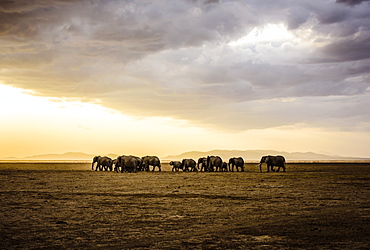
68	206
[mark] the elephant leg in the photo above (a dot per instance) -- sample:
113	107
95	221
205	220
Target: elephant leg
283	167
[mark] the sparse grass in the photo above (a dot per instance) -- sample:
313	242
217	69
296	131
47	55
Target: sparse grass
308	207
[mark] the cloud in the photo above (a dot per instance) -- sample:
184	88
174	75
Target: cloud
352	2
177	58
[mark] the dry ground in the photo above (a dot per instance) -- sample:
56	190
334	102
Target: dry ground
312	206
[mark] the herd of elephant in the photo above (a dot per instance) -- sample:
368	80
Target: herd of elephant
132	164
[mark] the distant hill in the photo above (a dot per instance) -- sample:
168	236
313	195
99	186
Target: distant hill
248	155
66	156
255	155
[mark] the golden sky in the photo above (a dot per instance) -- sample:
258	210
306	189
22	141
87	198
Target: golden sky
162	78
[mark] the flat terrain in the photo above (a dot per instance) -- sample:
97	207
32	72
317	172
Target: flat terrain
312	206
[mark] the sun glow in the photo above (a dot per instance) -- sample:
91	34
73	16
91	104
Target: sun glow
33	124
267	33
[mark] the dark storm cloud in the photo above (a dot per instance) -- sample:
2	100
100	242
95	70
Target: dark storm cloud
349	50
173	58
352	2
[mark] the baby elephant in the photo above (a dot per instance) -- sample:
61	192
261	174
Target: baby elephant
176	166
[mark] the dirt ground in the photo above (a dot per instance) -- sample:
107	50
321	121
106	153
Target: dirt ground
312	206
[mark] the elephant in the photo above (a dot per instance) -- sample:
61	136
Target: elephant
203	161
102	162
189	165
214	162
116	164
238	162
272	161
154	161
177	165
128	163
224	167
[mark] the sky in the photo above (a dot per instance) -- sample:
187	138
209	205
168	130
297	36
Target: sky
165	77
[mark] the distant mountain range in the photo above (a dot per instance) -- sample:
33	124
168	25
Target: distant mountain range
248	155
253	155
73	156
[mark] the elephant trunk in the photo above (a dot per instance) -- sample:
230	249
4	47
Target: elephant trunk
92	165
